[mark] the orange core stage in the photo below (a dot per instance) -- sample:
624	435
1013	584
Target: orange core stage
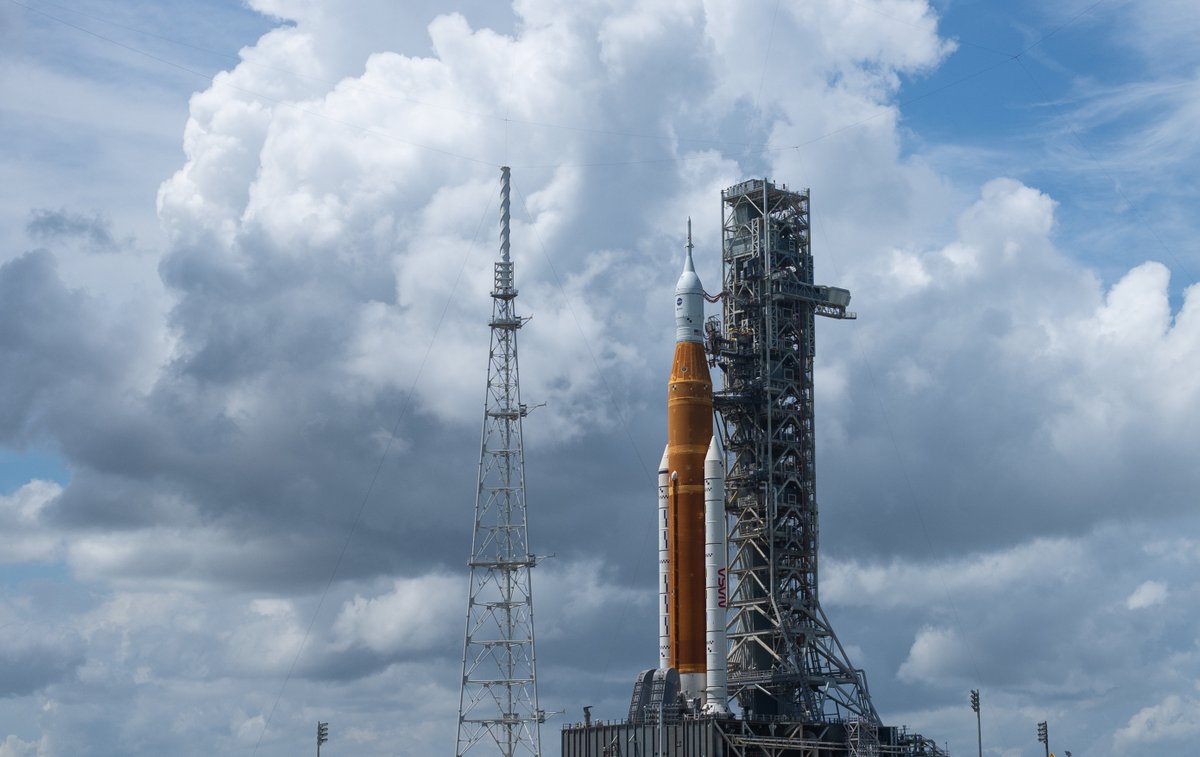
689	431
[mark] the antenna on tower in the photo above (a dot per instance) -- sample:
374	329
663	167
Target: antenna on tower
498	702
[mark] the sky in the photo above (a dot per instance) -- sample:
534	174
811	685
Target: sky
245	257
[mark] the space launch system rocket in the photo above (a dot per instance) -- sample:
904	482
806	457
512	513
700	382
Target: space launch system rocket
691	512
725	560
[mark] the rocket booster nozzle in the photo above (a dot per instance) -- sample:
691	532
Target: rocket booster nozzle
689	300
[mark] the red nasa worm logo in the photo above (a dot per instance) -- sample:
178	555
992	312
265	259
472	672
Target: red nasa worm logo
721	587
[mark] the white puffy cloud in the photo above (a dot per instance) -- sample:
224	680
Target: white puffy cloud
411	617
1044	625
1173	720
1074	389
905	583
269	639
1146	595
15	747
935	654
24	537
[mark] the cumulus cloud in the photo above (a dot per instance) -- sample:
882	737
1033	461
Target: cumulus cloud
1046	623
1146	595
268	638
15	747
409	618
1039	562
1029	357
936	654
329	243
25	537
1174	719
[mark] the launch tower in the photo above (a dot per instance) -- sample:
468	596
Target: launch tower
784	658
498	704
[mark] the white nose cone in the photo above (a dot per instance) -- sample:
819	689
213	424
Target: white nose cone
689	303
714	461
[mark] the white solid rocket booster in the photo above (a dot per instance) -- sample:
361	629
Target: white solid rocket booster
716	695
664	567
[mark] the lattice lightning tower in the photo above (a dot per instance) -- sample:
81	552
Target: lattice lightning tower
498	704
784	660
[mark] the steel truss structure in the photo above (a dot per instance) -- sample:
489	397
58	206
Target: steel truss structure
498	703
785	660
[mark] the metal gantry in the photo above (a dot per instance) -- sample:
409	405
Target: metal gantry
498	703
785	660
